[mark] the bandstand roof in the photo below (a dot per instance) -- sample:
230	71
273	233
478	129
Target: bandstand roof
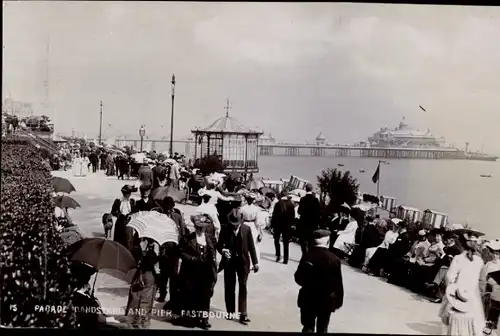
226	124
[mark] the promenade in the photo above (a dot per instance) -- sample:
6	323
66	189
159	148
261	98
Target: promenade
370	304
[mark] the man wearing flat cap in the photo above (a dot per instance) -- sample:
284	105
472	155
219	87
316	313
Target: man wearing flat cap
320	277
237	247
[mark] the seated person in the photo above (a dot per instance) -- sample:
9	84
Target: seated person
390	237
423	268
369	237
490	289
437	286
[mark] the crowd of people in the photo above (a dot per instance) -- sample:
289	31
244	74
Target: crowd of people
430	262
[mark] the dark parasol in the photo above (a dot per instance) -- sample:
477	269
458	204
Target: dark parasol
64	201
62	185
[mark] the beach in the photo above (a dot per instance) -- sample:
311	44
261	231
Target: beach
272	292
454	187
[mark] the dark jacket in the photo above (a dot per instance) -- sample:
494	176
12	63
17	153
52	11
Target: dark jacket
141	205
241	246
198	271
145	175
309	210
401	246
320	277
159	173
283	215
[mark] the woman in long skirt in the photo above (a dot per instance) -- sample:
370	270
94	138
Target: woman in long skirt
142	292
121	209
250	218
197	273
463	279
77	165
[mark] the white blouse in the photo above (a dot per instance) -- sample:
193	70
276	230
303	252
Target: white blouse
125	208
390	238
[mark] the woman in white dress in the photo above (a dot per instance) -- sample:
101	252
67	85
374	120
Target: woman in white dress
85	165
250	214
346	237
390	238
77	165
463	291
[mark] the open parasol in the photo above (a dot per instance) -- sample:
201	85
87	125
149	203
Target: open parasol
62	185
154	225
64	201
160	193
255	184
468	231
102	253
298	192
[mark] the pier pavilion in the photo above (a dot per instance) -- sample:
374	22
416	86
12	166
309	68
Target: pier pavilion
235	144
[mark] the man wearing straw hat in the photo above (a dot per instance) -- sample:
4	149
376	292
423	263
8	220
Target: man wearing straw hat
320	277
236	245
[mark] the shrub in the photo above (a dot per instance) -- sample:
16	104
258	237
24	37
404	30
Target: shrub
338	187
33	268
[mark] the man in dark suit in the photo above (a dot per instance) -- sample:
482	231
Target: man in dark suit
281	223
236	245
309	210
170	256
145	203
159	174
145	174
320	277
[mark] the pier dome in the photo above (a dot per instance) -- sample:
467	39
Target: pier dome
320	139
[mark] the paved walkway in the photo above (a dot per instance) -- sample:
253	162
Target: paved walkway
370	305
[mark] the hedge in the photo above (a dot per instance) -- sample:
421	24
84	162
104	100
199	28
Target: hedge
29	242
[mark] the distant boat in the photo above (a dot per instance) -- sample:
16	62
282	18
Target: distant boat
340	165
485	175
361	170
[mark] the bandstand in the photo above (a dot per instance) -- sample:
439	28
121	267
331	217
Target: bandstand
234	143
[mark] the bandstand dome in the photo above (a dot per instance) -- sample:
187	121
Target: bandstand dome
234	143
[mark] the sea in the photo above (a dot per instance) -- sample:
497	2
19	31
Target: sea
454	187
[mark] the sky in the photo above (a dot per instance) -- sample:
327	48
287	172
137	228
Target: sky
291	69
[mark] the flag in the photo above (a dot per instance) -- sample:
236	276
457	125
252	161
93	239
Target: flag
422	108
376	175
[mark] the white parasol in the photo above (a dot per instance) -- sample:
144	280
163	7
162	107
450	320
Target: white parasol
171	161
298	192
154	225
139	157
364	206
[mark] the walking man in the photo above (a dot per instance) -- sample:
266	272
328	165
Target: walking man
281	223
309	209
320	277
236	245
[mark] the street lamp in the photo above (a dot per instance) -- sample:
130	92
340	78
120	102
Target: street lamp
172	118
142	132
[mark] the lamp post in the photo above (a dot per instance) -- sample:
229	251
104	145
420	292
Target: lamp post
142	132
172	118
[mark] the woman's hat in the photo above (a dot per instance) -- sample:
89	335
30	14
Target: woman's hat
126	189
459	298
345	206
422	233
201	220
235	217
396	221
494	245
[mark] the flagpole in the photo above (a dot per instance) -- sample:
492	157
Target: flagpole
378	180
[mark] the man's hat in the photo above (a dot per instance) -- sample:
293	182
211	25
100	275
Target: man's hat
126	189
396	221
318	234
201	220
235	217
494	245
